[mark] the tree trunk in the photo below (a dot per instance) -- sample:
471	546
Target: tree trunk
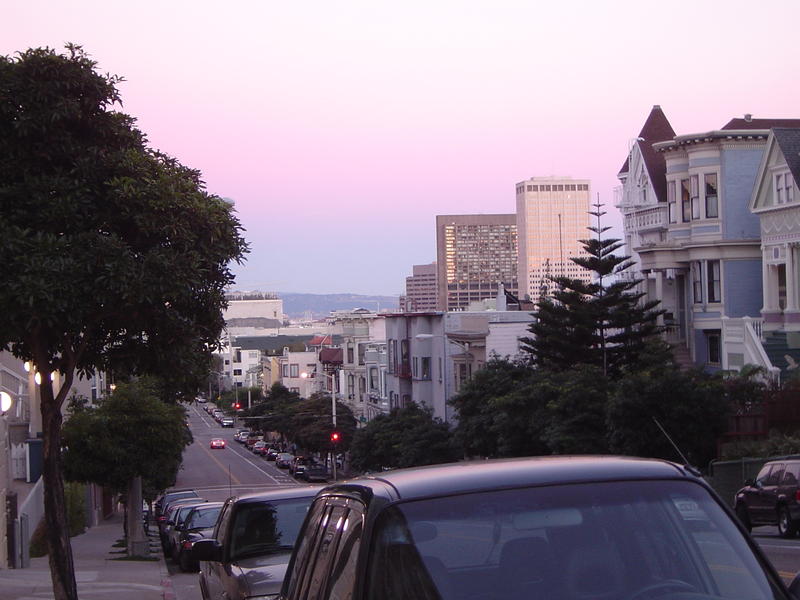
138	544
62	569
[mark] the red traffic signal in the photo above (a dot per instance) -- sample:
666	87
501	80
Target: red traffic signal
237	406
335	437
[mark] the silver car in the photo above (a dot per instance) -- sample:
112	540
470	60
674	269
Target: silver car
247	554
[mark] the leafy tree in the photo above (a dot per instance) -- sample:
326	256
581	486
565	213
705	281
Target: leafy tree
131	433
498	412
310	424
114	256
406	437
603	323
274	413
690	405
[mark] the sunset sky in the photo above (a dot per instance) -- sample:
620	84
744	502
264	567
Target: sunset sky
341	129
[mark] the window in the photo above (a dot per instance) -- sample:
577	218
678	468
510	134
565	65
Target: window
350	356
714	279
780	198
775	475
237	372
695	191
425	363
784	188
351	386
673	213
686	201
697	282
788	182
710	193
294	370
415	367
373	379
392	356
714	347
284	370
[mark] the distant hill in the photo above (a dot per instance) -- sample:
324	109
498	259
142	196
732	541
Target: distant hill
320	305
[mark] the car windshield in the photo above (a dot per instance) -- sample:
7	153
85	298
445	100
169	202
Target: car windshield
267	528
627	540
202	518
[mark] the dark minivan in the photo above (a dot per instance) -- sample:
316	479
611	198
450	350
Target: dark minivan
556	528
773	498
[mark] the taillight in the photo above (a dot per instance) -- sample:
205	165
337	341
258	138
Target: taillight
162	518
797	495
187	545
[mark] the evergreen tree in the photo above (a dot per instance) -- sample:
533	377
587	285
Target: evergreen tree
603	323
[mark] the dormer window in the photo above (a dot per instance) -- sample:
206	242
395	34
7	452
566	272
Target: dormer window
784	188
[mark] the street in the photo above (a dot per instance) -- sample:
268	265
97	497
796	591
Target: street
784	554
217	475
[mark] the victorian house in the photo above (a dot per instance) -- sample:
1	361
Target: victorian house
686	203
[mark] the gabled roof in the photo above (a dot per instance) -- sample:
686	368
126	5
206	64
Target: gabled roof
655	129
788	140
749	122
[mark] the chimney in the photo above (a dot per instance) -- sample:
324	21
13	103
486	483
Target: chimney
748	117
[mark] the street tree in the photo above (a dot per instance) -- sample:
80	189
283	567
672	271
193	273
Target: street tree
604	322
406	437
311	424
129	434
114	255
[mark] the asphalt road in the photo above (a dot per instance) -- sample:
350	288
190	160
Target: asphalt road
217	475
784	554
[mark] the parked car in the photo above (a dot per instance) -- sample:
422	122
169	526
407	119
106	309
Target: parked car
283	460
260	448
252	439
773	498
247	554
272	453
314	471
167	520
552	527
172	495
298	465
175	526
226	421
241	435
217	443
198	524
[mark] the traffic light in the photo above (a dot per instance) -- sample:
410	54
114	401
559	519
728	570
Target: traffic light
335	437
236	405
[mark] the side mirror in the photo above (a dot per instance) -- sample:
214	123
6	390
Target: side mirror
794	587
210	550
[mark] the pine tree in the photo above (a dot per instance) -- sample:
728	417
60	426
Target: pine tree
604	323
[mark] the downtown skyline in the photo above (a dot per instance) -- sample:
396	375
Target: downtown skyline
341	130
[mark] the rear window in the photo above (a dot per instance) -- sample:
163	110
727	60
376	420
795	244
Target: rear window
600	540
267	528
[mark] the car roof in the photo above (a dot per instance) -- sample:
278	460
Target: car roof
475	476
303	491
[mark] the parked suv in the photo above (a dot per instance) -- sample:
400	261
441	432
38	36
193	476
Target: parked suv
773	498
560	528
247	553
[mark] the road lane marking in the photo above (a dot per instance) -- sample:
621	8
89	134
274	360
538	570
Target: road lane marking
221	466
202	418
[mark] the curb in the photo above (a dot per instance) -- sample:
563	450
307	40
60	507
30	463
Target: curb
166	589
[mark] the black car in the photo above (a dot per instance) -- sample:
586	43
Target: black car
773	498
557	528
168	497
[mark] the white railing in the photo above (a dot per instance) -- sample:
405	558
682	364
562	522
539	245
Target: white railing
743	336
654	217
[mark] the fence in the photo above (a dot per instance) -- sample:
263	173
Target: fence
728	476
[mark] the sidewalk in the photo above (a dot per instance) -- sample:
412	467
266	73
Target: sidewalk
97	574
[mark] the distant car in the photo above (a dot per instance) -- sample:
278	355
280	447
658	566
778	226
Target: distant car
246	555
314	471
200	399
556	528
272	453
773	498
283	460
226	421
260	448
241	435
217	443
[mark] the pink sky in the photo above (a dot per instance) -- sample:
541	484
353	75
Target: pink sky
340	129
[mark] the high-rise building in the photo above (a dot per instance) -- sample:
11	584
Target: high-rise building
475	253
552	216
421	289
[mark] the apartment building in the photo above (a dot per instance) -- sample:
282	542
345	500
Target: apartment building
474	253
552	216
421	289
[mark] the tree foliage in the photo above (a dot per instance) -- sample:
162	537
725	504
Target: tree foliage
406	437
131	433
310	425
603	323
114	256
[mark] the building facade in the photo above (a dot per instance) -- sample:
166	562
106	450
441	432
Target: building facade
421	292
474	253
552	216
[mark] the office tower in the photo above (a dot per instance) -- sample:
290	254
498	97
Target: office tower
421	289
475	253
552	216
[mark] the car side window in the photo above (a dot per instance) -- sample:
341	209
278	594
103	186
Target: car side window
775	475
330	531
223	523
763	474
342	578
307	543
791	474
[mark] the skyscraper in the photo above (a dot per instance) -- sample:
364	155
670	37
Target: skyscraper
552	216
421	289
474	254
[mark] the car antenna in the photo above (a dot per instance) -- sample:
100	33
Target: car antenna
678	450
